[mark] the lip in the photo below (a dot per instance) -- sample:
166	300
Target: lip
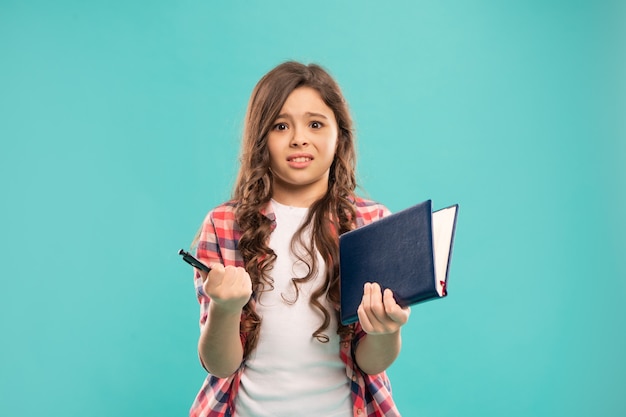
300	160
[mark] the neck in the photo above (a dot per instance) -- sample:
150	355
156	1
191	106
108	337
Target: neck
296	199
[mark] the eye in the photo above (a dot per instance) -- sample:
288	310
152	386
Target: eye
280	126
316	125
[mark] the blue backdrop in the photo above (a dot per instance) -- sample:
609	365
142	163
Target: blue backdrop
119	129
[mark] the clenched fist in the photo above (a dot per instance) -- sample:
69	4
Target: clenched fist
228	287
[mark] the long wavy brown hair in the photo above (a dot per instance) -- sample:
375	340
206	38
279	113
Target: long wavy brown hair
328	217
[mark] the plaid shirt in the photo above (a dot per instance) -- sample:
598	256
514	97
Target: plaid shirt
219	236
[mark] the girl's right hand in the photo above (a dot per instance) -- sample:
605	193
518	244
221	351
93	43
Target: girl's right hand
228	287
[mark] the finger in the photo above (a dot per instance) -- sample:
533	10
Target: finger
365	300
236	280
367	292
394	311
218	270
236	283
373	311
239	277
215	277
203	274
215	265
364	307
389	301
246	282
230	276
376	303
364	319
369	300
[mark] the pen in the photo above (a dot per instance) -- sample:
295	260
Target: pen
187	257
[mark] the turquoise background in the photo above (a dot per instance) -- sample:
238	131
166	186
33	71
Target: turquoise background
119	129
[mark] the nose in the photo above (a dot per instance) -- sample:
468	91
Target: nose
299	138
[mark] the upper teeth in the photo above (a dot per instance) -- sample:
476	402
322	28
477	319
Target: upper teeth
301	159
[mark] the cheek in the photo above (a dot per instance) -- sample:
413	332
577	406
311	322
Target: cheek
272	151
334	148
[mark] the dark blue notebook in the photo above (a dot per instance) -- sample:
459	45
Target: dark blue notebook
408	252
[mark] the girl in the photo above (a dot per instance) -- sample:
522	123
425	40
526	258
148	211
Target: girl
270	336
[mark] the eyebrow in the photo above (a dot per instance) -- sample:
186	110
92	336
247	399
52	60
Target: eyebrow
309	114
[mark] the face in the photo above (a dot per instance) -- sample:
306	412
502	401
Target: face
302	145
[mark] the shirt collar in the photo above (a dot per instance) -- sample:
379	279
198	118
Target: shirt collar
268	209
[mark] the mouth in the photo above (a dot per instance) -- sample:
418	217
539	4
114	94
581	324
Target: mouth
299	161
300	158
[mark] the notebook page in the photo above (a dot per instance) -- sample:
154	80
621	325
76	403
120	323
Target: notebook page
443	225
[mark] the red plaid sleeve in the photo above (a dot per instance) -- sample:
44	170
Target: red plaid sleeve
217	243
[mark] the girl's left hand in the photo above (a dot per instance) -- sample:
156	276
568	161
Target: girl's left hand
379	313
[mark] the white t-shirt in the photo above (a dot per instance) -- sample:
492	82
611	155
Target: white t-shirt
291	373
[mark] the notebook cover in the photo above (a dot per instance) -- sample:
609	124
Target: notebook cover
395	251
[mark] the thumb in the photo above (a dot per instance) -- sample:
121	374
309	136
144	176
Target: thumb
217	270
204	274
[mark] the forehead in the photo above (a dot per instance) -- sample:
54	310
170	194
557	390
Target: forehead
305	100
